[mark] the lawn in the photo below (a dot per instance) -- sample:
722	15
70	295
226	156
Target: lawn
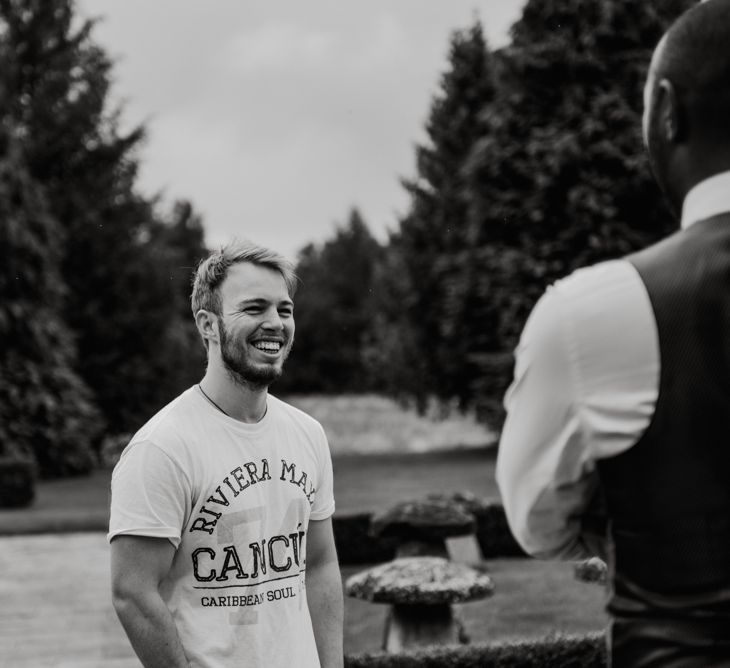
532	599
368	424
362	483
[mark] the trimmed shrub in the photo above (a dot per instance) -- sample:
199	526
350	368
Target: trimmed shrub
355	544
591	570
551	652
430	519
17	482
493	533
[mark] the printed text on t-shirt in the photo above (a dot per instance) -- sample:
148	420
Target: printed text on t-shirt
240	479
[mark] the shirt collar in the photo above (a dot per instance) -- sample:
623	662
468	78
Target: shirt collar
707	199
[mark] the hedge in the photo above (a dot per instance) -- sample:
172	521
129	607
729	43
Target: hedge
17	482
493	533
552	652
356	545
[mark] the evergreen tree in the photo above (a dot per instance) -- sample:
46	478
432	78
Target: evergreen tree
121	304
179	242
418	289
558	179
177	245
534	167
333	312
46	410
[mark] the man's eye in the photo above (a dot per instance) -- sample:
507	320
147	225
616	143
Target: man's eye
286	312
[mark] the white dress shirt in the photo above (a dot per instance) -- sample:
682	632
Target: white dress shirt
585	385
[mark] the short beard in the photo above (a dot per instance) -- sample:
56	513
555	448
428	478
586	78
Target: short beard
240	368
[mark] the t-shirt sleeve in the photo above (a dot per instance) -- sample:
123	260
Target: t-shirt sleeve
324	500
150	496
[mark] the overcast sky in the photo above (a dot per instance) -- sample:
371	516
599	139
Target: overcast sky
275	118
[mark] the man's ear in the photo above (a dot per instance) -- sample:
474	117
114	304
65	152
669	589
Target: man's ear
669	116
207	324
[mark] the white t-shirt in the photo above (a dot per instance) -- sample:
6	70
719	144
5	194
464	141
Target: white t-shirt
235	500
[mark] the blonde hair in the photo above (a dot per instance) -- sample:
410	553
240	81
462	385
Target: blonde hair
212	271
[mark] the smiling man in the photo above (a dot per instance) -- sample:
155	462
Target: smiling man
222	502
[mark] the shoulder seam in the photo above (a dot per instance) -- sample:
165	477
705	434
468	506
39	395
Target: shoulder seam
167	455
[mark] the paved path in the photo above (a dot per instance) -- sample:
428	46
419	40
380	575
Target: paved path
56	609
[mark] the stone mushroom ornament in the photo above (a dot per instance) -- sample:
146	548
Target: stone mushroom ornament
420	591
421	527
591	570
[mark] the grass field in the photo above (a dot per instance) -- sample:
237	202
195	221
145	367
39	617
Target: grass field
532	599
362	483
368	424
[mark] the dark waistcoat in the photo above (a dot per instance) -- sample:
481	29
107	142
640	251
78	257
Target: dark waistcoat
668	496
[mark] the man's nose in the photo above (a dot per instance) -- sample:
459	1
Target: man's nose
273	320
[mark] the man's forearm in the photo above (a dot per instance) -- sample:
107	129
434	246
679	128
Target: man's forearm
326	608
151	630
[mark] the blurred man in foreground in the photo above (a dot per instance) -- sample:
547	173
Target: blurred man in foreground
620	405
224	499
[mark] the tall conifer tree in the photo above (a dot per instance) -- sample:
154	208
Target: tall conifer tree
121	303
559	179
418	287
46	410
334	312
534	167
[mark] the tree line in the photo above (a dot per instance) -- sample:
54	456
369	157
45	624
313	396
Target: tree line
533	166
94	315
